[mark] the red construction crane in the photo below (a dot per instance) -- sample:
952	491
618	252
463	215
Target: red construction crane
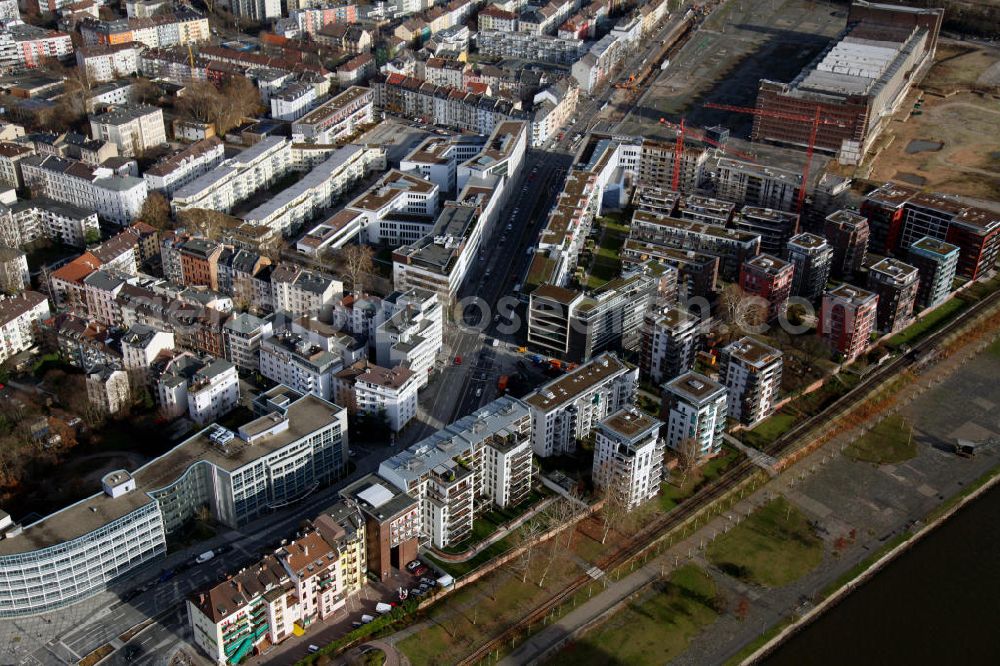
682	131
815	121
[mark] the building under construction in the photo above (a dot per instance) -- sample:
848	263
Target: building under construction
855	84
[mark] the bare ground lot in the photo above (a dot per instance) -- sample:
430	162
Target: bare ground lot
964	122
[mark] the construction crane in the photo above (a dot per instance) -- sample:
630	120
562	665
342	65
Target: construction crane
815	121
683	131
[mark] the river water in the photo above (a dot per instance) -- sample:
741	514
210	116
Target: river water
939	603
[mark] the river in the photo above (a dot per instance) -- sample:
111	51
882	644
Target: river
939	603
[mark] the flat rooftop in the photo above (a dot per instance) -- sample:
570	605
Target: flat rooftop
333	106
305	416
576	383
695	387
379	498
753	352
629	422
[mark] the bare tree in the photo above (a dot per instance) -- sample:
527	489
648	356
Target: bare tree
204	222
357	264
687	457
526	538
225	108
156	211
558	548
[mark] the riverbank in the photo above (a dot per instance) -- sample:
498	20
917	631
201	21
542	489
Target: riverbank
867	569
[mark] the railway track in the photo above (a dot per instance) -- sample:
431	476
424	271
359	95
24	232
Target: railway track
742	471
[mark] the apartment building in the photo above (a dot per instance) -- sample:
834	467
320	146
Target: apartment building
244	334
108	389
11	155
896	284
41	217
481	460
848	233
691	207
628	458
293	101
437	158
568	408
298	291
274	459
694	414
141	345
116	199
392	523
578	325
526	46
847	320
173	172
110	61
811	258
178	28
669	342
204	388
237	178
389	392
733	247
756	185
295	361
302	583
317	190
339	117
767	277
751	372
904	215
20	316
937	263
411	333
774	227
29	46
553	108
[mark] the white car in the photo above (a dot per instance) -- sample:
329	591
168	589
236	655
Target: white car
205	557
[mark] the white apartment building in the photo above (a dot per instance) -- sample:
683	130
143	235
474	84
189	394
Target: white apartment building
109	62
61	222
295	361
751	372
108	389
568	408
392	392
19	318
237	178
554	106
206	388
133	130
412	332
756	185
243	333
175	171
336	118
100	293
115	199
293	101
628	457
29	46
486	454
270	461
297	291
141	345
437	158
400	208
11	155
694	412
318	190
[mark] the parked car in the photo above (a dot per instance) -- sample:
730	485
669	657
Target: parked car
413	564
420	571
205	557
458	360
313	649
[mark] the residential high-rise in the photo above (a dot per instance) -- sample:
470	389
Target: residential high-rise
568	408
694	413
775	227
669	342
751	371
770	278
937	262
628	457
847	319
811	256
392	523
896	286
847	233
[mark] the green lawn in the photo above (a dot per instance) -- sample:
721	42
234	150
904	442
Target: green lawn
769	430
928	324
607	260
672	492
890	441
773	547
653	630
994	349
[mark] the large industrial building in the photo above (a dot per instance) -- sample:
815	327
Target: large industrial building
856	83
